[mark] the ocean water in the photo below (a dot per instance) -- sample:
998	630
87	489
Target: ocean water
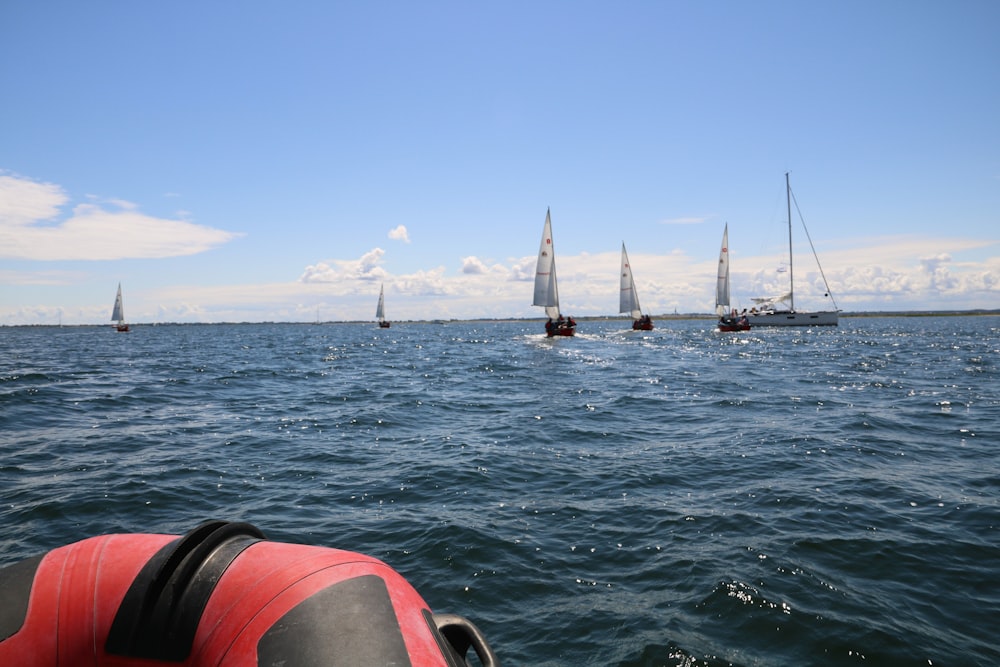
676	497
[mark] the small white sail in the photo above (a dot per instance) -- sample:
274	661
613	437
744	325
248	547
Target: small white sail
118	312
722	286
380	310
546	292
628	302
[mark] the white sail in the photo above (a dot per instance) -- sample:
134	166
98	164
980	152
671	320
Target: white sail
628	301
380	311
546	292
118	312
722	286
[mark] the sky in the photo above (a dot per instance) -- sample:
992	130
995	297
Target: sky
279	161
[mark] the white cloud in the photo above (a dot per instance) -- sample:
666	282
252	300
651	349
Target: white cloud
472	265
23	202
364	268
320	272
94	231
368	264
936	269
399	234
425	283
523	269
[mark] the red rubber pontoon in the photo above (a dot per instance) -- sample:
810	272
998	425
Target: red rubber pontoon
223	596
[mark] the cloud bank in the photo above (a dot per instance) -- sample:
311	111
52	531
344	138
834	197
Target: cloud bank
30	228
367	267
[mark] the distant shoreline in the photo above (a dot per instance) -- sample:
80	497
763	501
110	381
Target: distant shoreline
583	318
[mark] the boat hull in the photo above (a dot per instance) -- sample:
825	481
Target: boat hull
794	319
384	325
733	326
223	596
639	325
560	331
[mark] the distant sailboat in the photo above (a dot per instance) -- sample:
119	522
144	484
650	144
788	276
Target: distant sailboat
546	290
380	311
771	313
118	312
628	301
728	321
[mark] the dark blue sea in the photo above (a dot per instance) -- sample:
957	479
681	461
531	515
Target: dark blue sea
676	497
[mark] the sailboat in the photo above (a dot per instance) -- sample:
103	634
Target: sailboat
380	311
628	301
728	321
118	312
546	291
779	311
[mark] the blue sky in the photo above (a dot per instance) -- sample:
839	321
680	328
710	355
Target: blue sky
259	161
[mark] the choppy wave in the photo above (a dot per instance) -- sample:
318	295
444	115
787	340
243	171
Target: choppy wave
675	497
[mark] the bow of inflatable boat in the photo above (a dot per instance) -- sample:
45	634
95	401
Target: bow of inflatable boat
222	595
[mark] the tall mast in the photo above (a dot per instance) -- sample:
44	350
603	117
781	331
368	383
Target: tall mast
791	273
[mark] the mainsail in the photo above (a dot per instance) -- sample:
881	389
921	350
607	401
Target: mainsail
118	312
628	301
380	311
546	292
722	286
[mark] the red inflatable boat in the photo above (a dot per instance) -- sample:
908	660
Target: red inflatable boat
222	595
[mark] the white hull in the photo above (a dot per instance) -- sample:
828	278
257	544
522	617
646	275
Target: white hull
787	319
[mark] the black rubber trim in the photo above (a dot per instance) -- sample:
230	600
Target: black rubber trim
161	611
349	624
15	591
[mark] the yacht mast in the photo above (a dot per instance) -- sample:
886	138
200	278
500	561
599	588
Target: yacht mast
791	273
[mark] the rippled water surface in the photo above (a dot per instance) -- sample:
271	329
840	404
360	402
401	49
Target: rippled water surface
674	497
